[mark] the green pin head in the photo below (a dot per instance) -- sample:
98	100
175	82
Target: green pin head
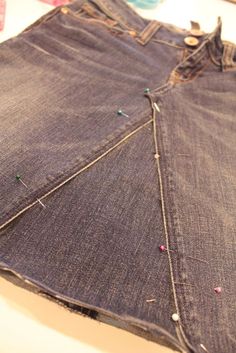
119	112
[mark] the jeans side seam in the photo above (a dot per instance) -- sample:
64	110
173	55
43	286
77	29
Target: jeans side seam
179	329
75	174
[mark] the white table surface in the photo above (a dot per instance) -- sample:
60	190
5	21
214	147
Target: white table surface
20	13
31	324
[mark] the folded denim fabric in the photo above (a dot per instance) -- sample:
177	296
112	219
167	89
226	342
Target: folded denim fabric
118	172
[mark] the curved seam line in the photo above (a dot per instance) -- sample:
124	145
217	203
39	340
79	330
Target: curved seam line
110	139
75	174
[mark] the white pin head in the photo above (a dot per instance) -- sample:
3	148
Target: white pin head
175	317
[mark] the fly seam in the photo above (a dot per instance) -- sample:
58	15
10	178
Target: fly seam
191	74
76	173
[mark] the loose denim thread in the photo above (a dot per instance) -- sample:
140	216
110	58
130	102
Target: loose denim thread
75	174
197	259
162	248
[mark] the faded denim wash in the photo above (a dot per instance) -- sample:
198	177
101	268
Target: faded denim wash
99	192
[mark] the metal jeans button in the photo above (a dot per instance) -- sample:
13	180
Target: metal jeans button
191	41
196	32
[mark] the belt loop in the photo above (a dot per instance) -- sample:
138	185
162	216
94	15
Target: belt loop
196	29
195	25
228	60
107	9
91	11
148	32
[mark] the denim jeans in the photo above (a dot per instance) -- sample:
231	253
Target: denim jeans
118	172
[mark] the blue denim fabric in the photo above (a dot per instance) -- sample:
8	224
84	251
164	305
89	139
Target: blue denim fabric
115	187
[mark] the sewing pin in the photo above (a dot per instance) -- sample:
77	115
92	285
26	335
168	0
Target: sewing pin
218	290
150	300
156	106
18	177
120	112
175	317
163	248
204	348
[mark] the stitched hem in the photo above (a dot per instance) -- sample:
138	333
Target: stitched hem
149	331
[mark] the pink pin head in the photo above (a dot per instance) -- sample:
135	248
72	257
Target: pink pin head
162	248
56	2
218	290
2	13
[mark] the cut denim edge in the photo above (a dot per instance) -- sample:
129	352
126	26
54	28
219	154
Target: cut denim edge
149	331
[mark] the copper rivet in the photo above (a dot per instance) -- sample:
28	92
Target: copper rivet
64	10
133	33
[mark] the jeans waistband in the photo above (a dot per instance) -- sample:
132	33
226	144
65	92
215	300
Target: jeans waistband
221	53
210	46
